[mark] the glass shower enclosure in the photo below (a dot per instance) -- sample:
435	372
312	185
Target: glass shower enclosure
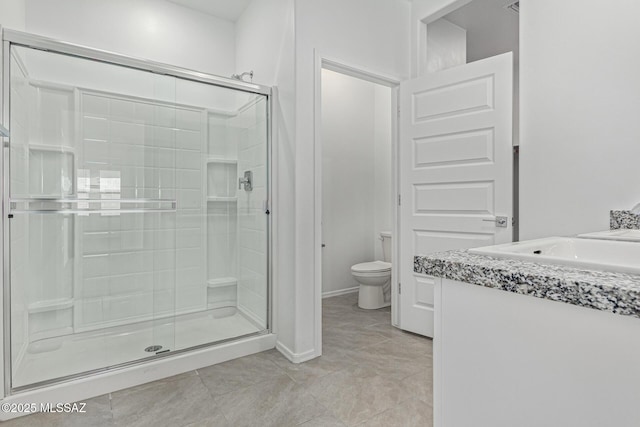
135	211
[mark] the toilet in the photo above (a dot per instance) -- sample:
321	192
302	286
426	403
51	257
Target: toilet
374	278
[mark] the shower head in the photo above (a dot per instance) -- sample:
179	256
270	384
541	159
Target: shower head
241	76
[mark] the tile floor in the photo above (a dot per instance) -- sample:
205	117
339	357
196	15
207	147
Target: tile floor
371	374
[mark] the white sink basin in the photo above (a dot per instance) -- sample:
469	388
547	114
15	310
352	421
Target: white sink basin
624	235
593	254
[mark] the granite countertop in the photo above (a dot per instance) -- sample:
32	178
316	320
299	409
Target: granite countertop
613	292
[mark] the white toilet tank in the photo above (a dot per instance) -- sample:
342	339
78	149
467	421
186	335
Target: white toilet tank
385	236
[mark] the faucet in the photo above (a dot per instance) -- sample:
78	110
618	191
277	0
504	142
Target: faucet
636	209
246	181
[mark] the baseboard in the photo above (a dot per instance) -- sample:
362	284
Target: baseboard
295	357
330	294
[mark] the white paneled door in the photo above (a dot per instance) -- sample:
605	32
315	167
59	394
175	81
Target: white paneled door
455	171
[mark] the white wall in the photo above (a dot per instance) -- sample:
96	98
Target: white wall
580	105
262	39
347	177
368	34
265	44
150	29
383	203
356	175
446	45
13	14
423	12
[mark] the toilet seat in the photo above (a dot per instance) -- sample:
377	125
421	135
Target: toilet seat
372	267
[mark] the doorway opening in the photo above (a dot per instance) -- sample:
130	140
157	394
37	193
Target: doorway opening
356	178
356	186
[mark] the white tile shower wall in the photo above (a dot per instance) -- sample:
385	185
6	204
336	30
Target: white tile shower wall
140	265
42	262
252	156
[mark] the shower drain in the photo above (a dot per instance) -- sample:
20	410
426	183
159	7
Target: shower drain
153	348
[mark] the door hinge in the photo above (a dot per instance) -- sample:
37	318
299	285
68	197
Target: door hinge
399	200
399	288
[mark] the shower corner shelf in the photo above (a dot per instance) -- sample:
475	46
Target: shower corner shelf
224	161
50	305
221	199
56	148
222	282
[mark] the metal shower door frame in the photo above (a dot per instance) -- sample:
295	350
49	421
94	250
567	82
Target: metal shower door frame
18	38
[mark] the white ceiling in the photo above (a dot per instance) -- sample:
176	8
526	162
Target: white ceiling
225	9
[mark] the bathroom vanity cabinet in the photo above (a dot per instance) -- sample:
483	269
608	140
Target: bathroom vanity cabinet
525	344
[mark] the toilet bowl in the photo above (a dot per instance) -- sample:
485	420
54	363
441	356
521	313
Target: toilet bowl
374	278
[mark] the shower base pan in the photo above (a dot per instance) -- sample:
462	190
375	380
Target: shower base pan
60	357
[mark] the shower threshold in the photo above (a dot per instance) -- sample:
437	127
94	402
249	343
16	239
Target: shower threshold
59	357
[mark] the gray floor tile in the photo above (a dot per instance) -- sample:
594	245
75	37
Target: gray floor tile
342	300
330	361
324	421
356	397
217	421
410	413
350	336
421	386
239	373
392	360
353	315
98	413
277	402
388	330
160	382
169	403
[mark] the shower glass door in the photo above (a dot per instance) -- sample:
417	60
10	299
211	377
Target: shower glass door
137	223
